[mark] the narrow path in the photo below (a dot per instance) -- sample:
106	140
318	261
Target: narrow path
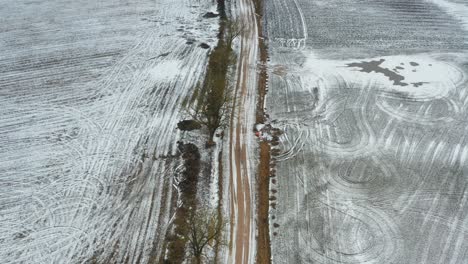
241	142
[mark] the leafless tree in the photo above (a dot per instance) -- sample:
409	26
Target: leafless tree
234	28
213	112
205	227
214	96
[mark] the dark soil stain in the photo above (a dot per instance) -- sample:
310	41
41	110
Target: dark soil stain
188	125
160	56
374	66
210	15
275	152
204	46
163	54
417	84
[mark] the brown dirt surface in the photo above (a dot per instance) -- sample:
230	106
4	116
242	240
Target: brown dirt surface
240	202
263	243
263	202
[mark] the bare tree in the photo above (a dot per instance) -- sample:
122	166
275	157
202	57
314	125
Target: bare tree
205	227
234	28
213	112
213	97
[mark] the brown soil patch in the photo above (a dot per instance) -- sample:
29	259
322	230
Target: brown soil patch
263	243
263	203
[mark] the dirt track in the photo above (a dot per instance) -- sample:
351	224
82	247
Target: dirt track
241	142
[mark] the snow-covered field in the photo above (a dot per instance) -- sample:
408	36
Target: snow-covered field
373	101
90	94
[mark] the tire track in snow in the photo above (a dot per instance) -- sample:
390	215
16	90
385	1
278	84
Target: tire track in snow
397	160
77	131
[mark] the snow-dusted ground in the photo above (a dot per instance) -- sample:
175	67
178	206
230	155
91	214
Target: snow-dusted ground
90	94
373	164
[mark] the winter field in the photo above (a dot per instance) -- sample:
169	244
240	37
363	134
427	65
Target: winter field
90	94
372	97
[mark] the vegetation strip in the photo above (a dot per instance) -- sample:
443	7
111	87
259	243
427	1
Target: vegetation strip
194	227
213	98
263	243
188	188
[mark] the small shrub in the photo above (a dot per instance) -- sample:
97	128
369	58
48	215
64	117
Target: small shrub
188	125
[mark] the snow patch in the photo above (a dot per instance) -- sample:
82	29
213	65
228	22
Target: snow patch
166	70
423	77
